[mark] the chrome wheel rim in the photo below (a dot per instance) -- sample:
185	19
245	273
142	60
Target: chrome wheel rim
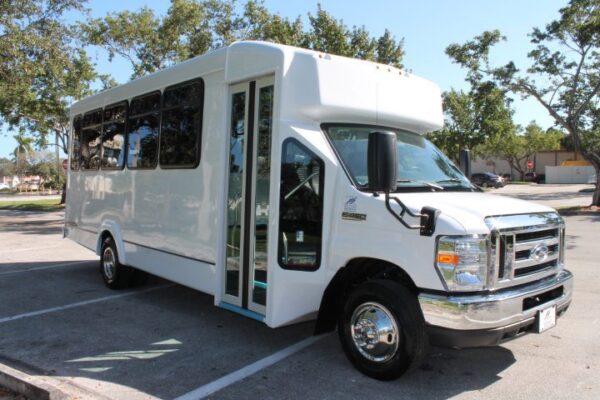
374	332
109	263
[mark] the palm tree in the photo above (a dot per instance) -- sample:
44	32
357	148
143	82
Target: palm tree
24	147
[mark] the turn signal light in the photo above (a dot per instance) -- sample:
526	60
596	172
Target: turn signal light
445	258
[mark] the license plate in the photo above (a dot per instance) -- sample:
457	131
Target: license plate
546	319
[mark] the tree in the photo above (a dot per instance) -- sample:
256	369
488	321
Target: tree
42	69
259	24
472	119
22	153
44	165
330	35
7	167
564	76
517	148
192	27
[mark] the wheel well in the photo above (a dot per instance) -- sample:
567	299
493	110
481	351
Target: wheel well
101	239
357	271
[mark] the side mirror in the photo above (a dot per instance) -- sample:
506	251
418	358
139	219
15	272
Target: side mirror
382	161
464	162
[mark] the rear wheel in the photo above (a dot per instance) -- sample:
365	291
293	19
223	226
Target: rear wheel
115	274
382	330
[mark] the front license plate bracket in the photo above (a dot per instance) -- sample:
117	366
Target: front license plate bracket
545	319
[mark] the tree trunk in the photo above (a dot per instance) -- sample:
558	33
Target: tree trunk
596	196
63	195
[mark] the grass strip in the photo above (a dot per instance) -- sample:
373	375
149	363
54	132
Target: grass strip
32	205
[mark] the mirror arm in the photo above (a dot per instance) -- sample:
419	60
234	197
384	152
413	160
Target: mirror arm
428	216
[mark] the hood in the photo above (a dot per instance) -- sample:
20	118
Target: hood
470	209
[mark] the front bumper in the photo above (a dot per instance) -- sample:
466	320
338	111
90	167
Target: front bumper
470	320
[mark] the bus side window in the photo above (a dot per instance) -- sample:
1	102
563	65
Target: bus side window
75	148
90	140
113	136
142	131
181	126
300	207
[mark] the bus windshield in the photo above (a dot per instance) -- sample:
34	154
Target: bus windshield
420	164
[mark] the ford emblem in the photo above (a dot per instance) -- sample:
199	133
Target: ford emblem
539	253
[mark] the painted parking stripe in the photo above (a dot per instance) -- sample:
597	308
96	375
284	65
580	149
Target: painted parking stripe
81	303
248	370
30	249
62	265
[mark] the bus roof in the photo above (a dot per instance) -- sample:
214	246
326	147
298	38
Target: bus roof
313	85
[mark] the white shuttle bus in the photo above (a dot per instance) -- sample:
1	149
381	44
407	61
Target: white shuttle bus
294	185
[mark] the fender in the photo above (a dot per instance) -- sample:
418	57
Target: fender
114	229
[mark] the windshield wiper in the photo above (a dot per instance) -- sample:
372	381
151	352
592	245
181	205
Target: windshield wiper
451	180
456	180
430	184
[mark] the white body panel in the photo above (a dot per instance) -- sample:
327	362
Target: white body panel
171	222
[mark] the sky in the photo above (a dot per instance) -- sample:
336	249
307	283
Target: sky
427	26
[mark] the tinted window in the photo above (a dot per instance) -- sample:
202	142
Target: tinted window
181	125
113	136
75	138
90	140
300	207
142	135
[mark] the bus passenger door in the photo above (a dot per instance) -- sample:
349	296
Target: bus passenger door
248	189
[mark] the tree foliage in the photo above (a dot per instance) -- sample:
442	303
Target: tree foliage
41	69
517	148
150	42
564	76
473	118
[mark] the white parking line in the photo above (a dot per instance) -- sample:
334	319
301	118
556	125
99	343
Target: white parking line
29	249
46	267
81	303
248	370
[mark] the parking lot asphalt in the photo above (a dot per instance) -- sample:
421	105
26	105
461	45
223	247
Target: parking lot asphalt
552	195
59	323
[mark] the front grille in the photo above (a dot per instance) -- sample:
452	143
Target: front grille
535	268
544	234
524	253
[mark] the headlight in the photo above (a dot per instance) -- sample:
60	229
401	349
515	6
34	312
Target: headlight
463	262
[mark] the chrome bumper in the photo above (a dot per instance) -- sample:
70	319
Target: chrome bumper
497	311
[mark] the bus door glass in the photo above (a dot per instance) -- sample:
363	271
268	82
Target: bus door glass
248	190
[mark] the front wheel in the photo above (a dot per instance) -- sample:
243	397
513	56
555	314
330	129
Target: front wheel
115	274
382	330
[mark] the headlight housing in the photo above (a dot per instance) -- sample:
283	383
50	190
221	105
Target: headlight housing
462	262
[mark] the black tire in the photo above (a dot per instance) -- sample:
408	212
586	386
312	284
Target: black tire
118	276
386	299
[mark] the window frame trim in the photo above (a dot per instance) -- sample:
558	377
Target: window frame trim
319	256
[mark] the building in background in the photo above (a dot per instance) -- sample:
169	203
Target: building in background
557	166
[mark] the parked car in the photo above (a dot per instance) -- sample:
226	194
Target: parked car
4	186
486	179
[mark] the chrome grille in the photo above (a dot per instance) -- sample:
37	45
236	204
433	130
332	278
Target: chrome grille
525	248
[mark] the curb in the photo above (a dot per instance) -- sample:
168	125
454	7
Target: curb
39	387
29	386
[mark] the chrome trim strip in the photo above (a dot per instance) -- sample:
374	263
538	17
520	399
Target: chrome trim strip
530	244
493	310
532	263
524	222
